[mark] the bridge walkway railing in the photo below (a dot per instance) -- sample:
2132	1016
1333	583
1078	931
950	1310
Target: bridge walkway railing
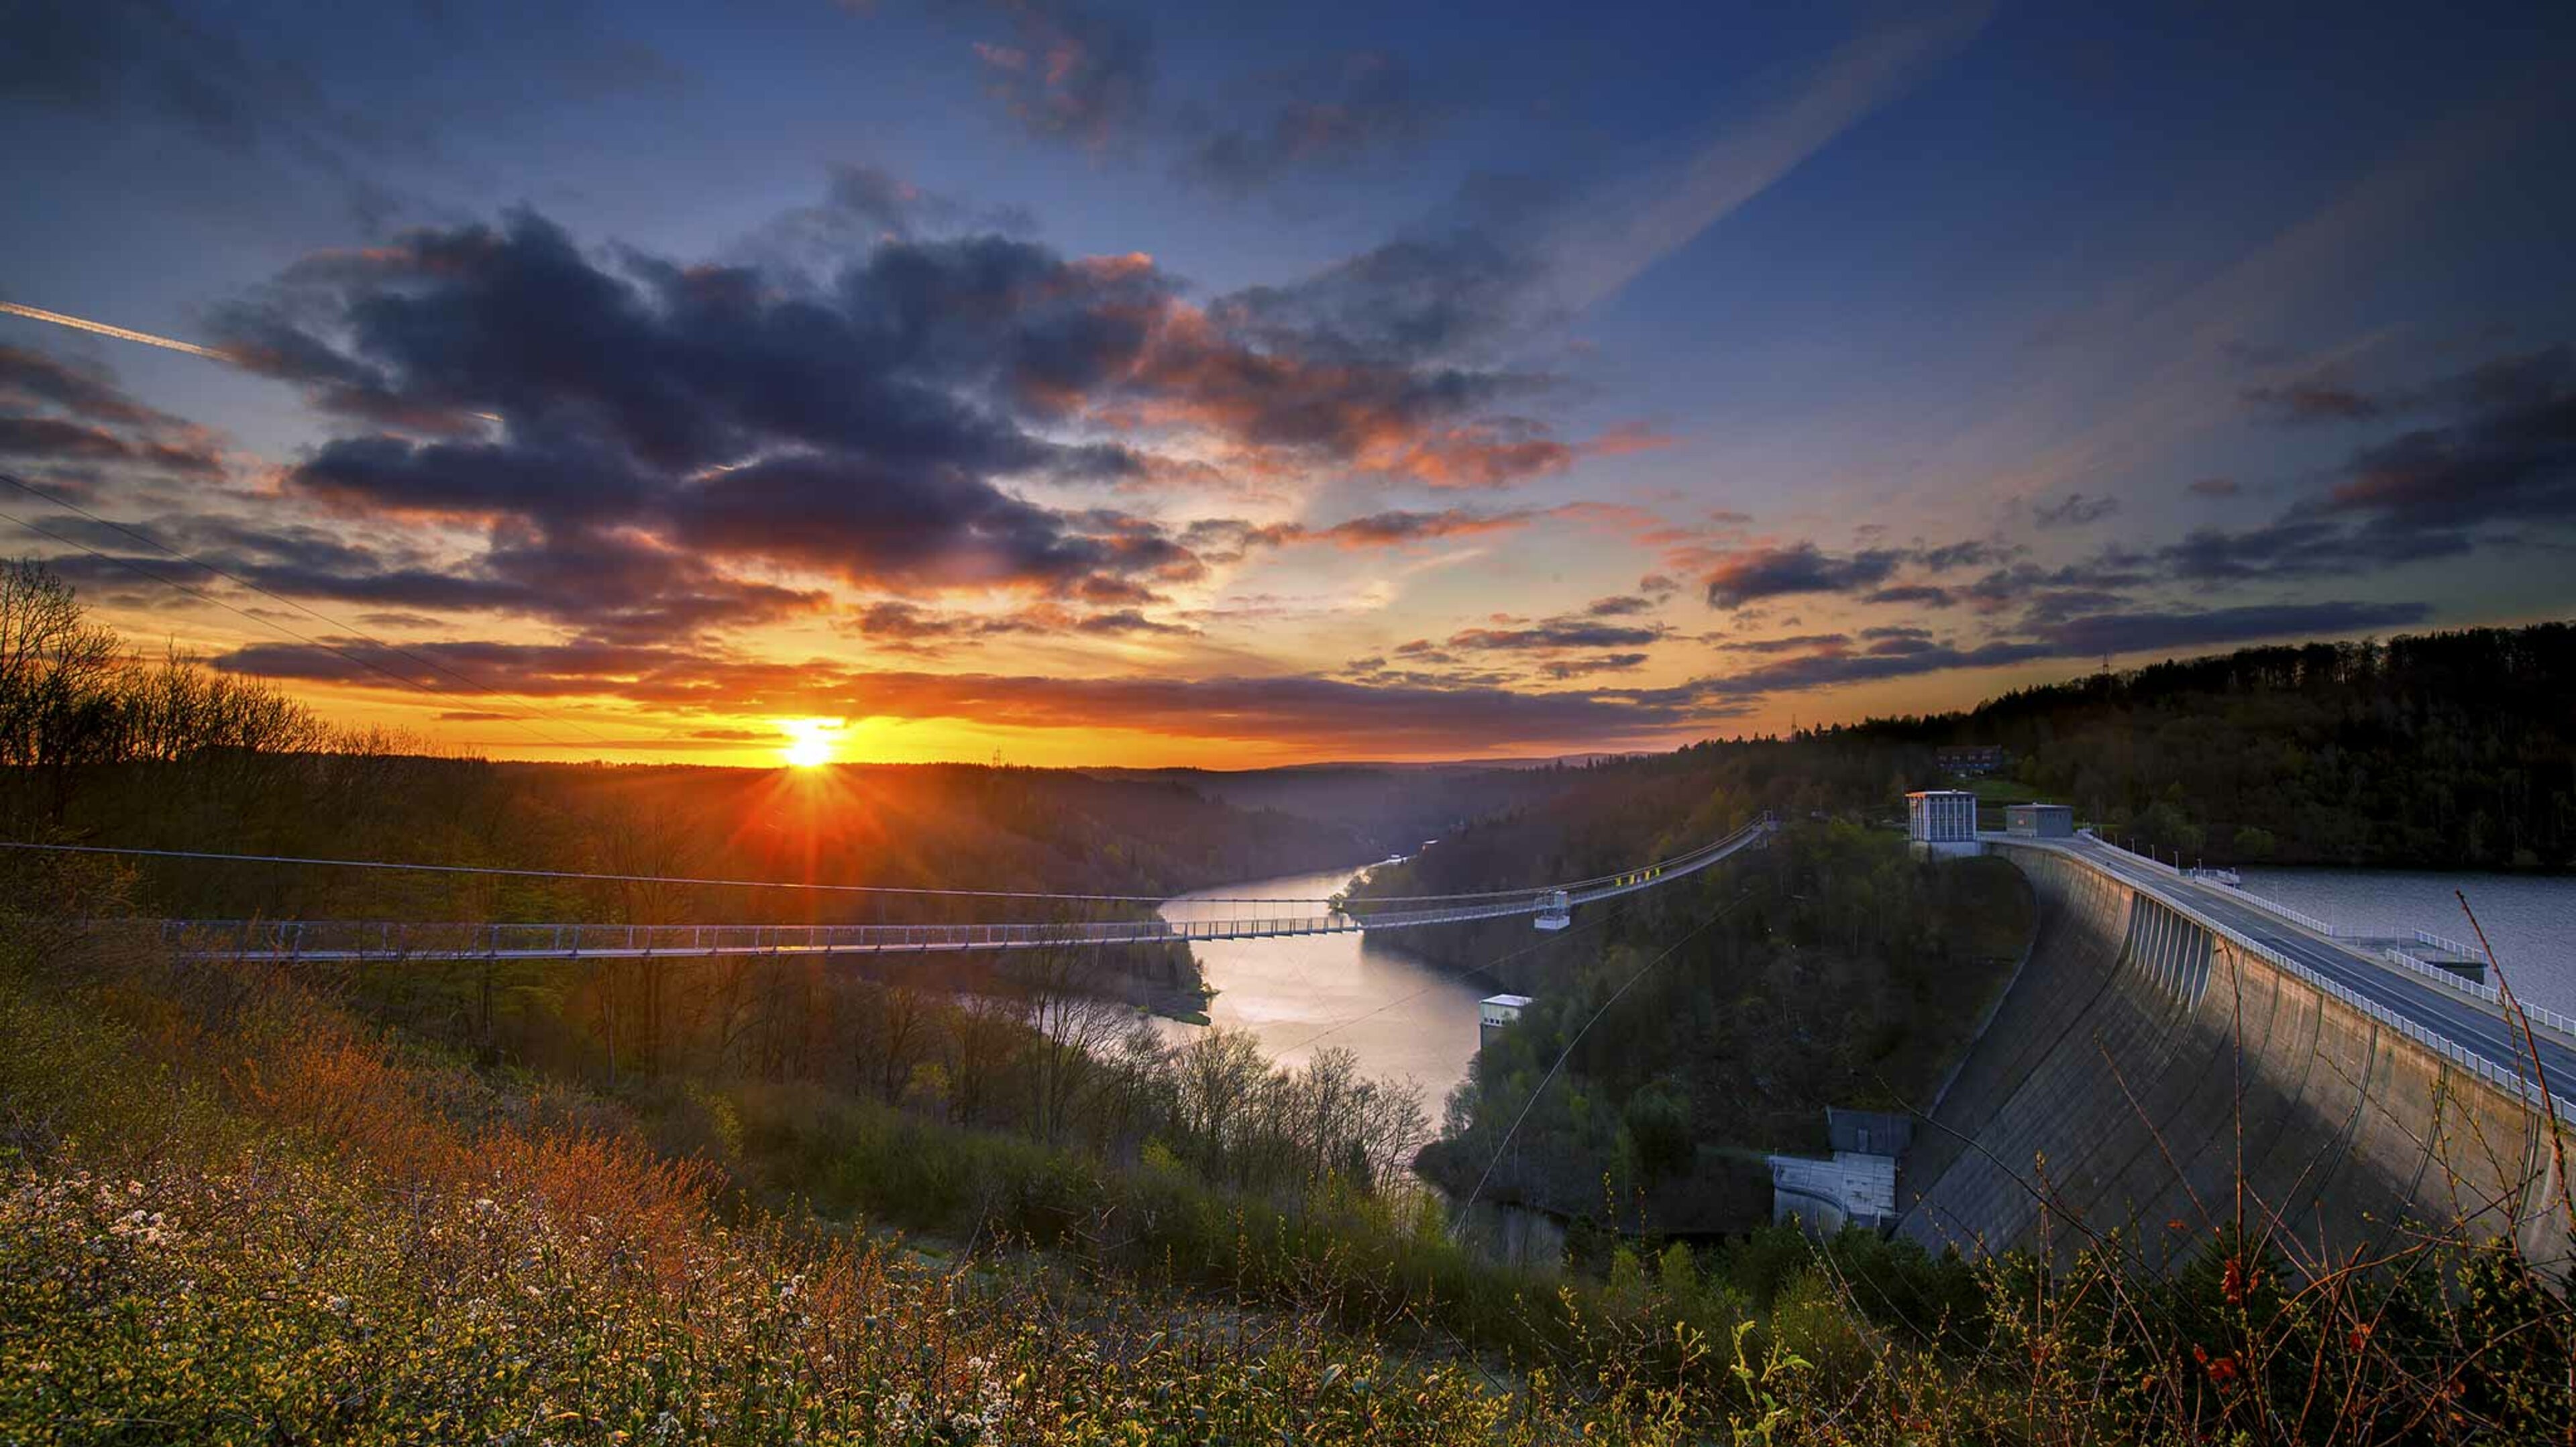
368	940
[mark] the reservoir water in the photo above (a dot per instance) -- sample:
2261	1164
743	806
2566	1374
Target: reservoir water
1403	1017
2529	918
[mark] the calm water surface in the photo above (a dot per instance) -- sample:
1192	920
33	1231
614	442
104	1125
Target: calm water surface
1405	1018
2530	919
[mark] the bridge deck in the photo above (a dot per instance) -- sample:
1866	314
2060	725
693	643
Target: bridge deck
374	941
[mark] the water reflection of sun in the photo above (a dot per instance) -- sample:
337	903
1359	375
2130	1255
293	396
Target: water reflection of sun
809	741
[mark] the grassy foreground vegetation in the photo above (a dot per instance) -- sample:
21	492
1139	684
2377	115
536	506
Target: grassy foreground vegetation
237	1209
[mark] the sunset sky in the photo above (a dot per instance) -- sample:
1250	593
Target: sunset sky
1077	381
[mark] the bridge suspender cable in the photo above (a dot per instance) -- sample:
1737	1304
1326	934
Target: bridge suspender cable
1640	875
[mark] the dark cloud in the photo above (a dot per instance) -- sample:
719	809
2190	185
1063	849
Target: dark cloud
31	379
1771	572
875	197
2089	636
1386	529
1596	663
1972	553
900	622
159	60
335	106
2140	632
2215	487
2500	463
1087	75
1410	300
1070	71
52	437
2287	549
2314	401
1747	575
1322	117
1834	667
1788	643
1919	594
69	421
607	584
2508	454
2075	510
1619	605
2050	605
1656	585
1128	620
882	526
872	428
1551	633
865	205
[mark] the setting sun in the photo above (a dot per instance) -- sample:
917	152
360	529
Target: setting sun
809	742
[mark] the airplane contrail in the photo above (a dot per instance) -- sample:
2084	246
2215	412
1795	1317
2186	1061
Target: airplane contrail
104	330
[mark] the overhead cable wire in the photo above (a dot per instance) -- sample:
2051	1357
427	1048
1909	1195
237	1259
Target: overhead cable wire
221	857
1602	916
1505	1144
707	881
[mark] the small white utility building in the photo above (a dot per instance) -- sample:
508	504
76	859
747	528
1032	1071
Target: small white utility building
1496	1011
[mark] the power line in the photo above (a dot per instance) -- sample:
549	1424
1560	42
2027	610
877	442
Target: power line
394	648
590	876
1561	1056
1600	917
219	857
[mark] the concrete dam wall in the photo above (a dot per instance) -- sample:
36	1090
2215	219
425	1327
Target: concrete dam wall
2142	1063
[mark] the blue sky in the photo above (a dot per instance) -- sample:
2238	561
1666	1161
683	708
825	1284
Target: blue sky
1108	383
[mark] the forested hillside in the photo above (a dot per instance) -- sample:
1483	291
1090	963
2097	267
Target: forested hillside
1826	969
1392	807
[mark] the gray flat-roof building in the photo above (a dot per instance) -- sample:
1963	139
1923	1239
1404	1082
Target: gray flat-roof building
2039	821
1856	1186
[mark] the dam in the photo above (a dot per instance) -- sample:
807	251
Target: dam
2170	1059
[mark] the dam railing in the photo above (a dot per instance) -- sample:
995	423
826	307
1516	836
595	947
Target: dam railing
2447	946
2301	918
2452	979
2297	917
2448	979
2511	1081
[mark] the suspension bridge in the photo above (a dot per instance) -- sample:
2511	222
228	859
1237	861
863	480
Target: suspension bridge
375	941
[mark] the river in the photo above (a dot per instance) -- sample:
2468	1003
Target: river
2529	918
1405	1018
